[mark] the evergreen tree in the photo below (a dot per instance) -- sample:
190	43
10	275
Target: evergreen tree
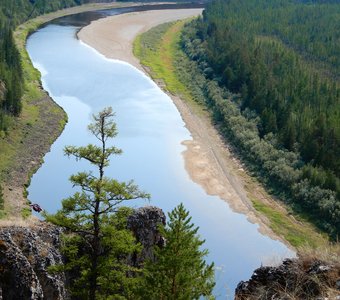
179	271
279	60
91	215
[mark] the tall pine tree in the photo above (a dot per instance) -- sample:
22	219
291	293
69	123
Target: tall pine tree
90	216
180	271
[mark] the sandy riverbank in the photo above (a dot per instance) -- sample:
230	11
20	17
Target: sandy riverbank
113	36
207	159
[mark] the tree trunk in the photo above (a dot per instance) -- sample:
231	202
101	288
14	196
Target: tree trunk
95	255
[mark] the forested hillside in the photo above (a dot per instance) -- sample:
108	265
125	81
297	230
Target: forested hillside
281	59
12	13
18	11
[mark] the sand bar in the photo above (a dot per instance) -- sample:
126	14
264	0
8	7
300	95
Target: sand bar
113	36
207	159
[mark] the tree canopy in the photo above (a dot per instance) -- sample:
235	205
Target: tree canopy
269	72
180	271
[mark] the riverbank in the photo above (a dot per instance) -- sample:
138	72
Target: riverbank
208	159
159	49
114	36
38	126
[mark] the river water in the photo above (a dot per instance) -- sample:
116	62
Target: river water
151	132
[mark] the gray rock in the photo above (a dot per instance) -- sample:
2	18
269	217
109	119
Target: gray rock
25	255
318	267
337	284
144	224
305	279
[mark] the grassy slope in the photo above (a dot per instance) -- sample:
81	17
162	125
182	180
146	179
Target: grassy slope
160	57
30	114
36	113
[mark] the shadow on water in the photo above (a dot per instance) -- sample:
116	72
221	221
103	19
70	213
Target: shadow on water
85	18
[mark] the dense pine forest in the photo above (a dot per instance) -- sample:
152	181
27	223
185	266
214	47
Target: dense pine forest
12	13
280	60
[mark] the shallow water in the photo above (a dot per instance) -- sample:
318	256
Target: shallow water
151	131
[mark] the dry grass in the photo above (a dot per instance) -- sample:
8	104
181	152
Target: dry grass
329	253
314	275
19	222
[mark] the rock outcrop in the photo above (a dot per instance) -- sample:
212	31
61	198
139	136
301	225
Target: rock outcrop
293	279
25	255
144	224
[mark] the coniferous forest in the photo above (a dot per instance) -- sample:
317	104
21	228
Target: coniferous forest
268	71
281	61
12	13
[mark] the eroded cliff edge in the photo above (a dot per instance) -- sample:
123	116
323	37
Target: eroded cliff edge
26	253
304	278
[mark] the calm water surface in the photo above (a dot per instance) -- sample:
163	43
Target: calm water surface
150	133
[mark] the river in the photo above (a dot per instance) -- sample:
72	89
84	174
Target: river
151	133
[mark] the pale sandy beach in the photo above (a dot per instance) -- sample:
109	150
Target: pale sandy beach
113	36
207	160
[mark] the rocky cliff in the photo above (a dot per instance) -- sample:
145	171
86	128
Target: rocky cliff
298	279
144	223
27	252
25	255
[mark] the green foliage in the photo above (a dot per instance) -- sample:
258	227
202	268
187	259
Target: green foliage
241	130
297	236
155	49
179	271
26	212
12	13
11	79
279	103
98	245
279	169
283	58
113	280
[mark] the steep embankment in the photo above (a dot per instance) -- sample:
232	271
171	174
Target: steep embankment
27	253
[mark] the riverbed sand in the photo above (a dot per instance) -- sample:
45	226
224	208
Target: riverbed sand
207	159
113	36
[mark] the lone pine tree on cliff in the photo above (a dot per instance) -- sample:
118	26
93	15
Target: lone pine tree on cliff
91	215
